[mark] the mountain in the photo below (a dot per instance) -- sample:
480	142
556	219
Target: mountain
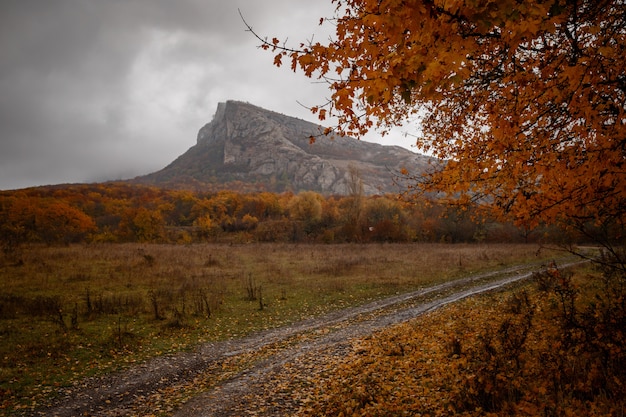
247	147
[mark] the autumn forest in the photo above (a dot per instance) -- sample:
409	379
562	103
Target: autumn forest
119	212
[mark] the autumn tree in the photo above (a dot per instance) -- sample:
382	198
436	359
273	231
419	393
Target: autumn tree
306	209
353	204
524	105
384	219
524	102
148	225
32	219
183	202
17	221
206	227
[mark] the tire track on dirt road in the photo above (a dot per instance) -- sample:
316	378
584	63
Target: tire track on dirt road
233	397
133	391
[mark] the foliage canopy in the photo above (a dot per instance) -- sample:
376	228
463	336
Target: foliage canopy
523	100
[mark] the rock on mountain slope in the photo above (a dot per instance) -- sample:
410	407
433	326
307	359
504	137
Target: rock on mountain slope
265	150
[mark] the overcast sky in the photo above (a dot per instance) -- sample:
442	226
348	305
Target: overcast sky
94	90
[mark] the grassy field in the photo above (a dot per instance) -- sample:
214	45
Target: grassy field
71	312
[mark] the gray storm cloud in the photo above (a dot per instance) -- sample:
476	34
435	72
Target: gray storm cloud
93	90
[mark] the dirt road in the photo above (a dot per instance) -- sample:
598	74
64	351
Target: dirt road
254	375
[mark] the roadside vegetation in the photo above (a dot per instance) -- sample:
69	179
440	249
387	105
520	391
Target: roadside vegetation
554	347
75	311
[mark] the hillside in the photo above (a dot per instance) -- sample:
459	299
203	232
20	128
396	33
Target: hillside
250	148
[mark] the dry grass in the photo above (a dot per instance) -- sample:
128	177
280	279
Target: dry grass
70	312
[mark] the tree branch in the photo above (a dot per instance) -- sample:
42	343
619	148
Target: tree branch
266	44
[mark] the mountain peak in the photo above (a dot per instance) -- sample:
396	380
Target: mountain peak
270	151
236	113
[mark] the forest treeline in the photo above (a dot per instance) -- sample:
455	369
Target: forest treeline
119	212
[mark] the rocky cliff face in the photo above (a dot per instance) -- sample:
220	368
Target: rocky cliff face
270	151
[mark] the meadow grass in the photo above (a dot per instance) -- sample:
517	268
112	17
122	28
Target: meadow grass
71	312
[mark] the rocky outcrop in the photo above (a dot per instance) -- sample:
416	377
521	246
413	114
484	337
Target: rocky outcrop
245	143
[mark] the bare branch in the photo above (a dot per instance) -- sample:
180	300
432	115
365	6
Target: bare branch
265	43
